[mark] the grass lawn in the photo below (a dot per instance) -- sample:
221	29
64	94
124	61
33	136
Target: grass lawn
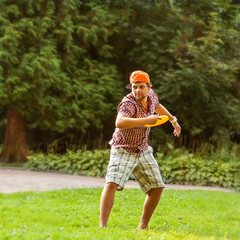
74	214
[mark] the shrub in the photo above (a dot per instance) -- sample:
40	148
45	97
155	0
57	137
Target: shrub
178	167
91	163
187	168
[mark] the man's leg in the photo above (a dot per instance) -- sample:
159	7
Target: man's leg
106	203
149	206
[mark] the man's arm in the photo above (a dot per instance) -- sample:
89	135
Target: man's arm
126	122
161	110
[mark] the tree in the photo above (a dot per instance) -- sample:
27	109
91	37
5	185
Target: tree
190	49
207	67
56	71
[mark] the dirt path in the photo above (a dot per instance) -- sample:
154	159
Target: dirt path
19	180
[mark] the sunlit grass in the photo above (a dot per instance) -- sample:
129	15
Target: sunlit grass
74	214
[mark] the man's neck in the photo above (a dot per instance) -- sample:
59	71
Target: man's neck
144	102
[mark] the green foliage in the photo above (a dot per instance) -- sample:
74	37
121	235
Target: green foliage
74	214
204	80
152	37
62	63
186	168
56	63
191	51
179	167
91	163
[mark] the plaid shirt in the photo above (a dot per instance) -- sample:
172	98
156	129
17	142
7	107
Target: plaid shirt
134	140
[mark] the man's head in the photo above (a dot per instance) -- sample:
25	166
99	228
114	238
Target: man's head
139	76
140	84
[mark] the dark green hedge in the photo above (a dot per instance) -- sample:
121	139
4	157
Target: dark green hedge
177	168
187	168
91	163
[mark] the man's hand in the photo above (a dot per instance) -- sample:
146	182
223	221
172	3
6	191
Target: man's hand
177	129
126	122
152	119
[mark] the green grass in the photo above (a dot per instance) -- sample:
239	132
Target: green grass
74	214
22	165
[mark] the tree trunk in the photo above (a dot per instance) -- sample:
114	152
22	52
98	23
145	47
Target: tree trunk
15	147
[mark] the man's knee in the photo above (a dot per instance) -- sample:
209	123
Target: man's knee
154	191
111	186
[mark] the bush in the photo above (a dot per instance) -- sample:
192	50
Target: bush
178	167
91	163
186	168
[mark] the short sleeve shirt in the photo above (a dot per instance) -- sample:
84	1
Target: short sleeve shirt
134	140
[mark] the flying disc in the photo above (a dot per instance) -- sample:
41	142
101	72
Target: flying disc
159	122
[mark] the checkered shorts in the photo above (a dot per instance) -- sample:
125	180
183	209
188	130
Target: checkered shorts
144	167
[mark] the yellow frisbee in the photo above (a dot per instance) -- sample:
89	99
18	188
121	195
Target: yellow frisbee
159	122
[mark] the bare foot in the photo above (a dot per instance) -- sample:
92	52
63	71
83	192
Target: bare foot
143	228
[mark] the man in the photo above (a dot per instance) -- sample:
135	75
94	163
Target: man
130	152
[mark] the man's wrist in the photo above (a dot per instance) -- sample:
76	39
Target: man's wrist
173	120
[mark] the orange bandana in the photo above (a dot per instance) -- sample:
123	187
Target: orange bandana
138	76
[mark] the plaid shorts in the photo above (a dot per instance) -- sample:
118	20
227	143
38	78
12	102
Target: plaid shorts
144	167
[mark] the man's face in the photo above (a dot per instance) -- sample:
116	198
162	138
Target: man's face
140	90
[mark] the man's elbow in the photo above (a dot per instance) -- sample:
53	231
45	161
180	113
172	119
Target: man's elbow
121	122
118	124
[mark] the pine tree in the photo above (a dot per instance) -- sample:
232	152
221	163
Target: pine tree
56	71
